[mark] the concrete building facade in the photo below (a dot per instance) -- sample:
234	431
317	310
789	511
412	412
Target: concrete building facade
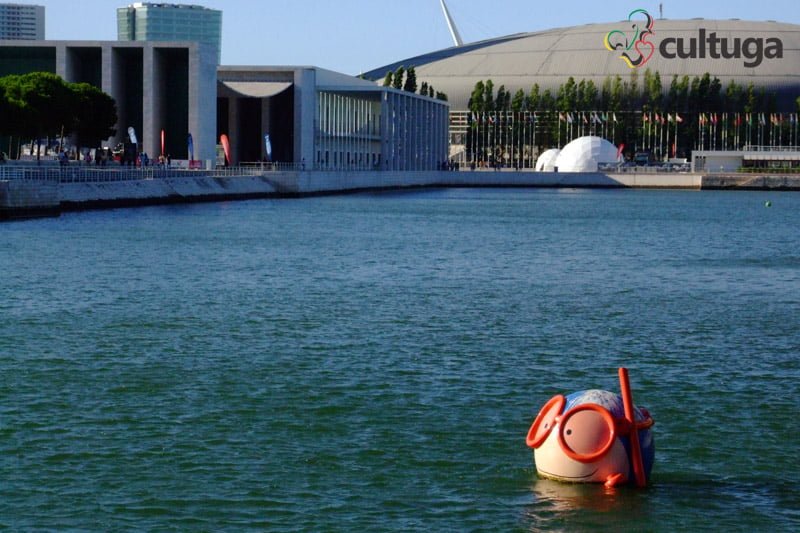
145	21
156	85
21	22
324	120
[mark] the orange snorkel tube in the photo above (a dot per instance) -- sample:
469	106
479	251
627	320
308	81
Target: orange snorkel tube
636	450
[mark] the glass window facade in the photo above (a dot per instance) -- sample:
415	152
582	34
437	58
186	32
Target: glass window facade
170	22
21	22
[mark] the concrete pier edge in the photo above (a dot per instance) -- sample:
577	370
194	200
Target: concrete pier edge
31	198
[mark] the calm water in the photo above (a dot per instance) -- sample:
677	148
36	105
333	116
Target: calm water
373	362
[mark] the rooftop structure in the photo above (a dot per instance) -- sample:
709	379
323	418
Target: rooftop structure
144	21
21	22
766	54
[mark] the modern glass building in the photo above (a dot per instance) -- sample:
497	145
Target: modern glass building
21	22
145	21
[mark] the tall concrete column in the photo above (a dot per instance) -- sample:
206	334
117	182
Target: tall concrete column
233	128
203	100
305	104
151	102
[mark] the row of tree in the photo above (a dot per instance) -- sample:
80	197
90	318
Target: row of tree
684	94
406	80
41	104
693	113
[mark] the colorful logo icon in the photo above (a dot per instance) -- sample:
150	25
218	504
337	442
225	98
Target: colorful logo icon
635	47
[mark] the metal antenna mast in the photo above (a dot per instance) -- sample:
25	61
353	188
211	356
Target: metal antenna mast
452	25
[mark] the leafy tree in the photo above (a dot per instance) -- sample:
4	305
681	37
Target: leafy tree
423	88
502	99
441	96
518	102
566	99
548	103
42	104
488	96
397	83
388	81
476	100
411	80
605	93
617	94
95	115
589	95
534	98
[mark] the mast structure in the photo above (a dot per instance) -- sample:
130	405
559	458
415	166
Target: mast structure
457	40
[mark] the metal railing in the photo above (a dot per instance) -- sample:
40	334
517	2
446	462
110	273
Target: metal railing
86	174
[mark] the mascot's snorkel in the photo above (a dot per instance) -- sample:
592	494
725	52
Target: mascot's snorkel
594	436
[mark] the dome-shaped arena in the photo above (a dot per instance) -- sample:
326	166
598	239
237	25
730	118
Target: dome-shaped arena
766	54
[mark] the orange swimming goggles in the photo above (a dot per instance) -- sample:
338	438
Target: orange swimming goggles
585	433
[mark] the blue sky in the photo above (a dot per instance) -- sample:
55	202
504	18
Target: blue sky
353	36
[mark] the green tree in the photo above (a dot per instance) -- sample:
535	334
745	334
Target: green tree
617	94
441	96
42	104
566	96
397	83
605	93
518	103
423	88
534	97
388	81
95	115
476	100
488	96
589	96
734	97
411	80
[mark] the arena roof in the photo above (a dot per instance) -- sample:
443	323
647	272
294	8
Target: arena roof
550	57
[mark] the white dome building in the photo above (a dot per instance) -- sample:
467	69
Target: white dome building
585	153
547	161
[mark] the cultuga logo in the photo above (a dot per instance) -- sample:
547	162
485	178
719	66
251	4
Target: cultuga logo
637	50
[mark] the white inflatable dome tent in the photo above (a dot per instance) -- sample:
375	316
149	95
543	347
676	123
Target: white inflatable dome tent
547	161
584	154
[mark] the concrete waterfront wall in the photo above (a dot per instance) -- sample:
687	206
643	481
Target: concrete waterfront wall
31	197
163	190
28	198
751	182
328	182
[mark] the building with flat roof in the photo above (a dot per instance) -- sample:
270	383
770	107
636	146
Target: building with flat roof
157	86
315	118
145	21
325	120
21	22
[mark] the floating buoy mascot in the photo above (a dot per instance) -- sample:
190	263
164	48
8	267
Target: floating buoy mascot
594	436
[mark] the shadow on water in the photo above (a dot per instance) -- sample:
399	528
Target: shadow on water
672	504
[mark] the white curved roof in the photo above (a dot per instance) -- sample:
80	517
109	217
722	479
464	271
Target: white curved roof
584	153
550	57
